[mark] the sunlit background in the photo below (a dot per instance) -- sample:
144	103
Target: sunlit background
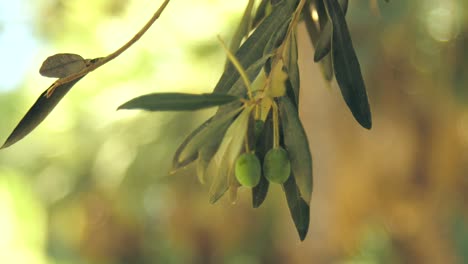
90	185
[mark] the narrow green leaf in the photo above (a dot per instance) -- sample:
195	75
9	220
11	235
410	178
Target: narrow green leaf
214	131
276	39
346	66
38	112
311	26
178	101
242	29
221	167
297	145
314	34
322	14
264	144
298	207
205	154
292	69
323	46
260	192
176	160
260	13
327	67
62	65
253	48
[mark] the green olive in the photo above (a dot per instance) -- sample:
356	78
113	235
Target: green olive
276	165
248	169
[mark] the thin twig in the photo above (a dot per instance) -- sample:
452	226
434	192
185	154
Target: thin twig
101	61
276	134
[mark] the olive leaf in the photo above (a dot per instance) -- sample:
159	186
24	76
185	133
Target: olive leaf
214	131
292	68
204	156
276	39
177	101
260	13
297	145
62	65
253	48
221	167
298	207
346	65
242	29
38	112
314	34
327	67
176	161
323	46
264	144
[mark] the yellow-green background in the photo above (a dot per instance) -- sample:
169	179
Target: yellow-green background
90	184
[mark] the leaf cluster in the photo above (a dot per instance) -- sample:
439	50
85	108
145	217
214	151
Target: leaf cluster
260	84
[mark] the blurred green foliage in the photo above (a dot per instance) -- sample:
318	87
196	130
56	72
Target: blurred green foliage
91	185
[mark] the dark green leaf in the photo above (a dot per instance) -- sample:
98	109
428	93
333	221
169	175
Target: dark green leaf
178	101
260	192
205	154
311	26
327	67
297	145
323	46
264	144
176	160
242	29
38	112
313	32
346	66
260	13
62	65
213	132
322	13
276	39
298	207
292	69
253	48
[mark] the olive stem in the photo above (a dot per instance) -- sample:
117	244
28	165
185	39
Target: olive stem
101	61
258	112
274	108
246	142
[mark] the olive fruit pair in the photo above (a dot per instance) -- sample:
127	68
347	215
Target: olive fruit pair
276	167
